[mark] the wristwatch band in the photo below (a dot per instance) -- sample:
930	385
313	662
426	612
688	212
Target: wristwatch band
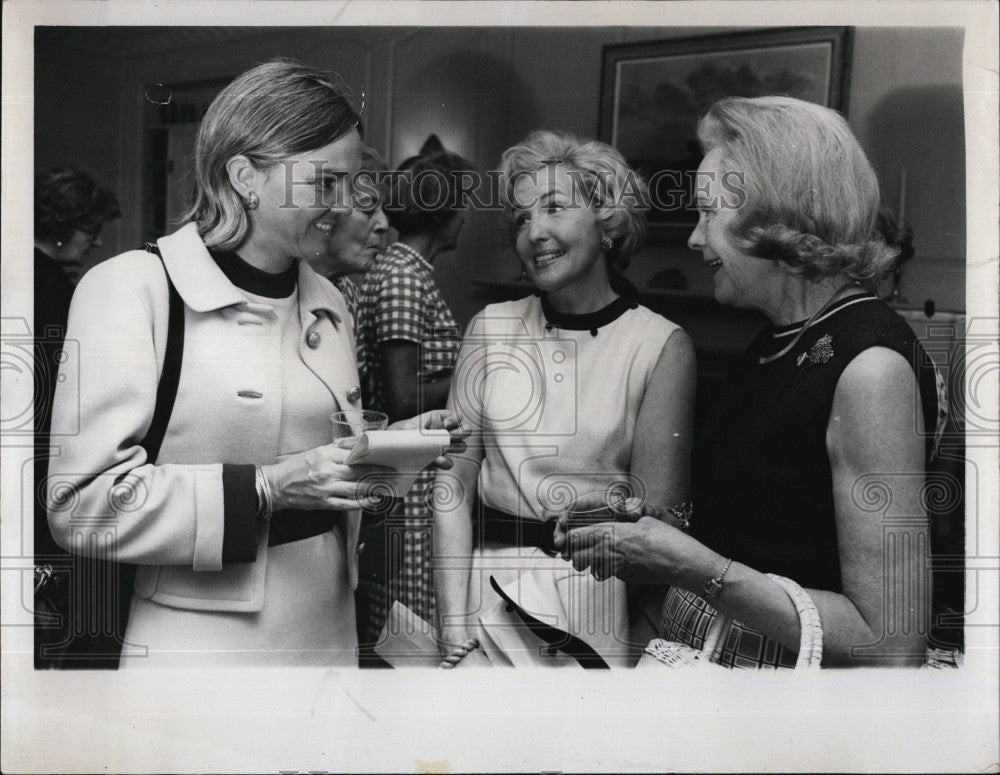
714	586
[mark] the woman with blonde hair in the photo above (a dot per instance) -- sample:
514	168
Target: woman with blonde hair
811	467
572	390
203	453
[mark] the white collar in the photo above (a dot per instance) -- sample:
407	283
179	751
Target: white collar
204	287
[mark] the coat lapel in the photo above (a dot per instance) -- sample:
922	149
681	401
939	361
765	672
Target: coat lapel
327	344
196	276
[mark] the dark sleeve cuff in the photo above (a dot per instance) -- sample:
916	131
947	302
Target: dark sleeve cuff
239	539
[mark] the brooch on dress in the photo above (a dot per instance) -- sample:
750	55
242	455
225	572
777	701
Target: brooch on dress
820	352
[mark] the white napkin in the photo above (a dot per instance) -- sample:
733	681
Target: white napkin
407	640
408	452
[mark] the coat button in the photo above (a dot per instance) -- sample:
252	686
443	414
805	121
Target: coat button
361	548
354	395
313	339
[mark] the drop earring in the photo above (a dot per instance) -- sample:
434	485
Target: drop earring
253	201
606	243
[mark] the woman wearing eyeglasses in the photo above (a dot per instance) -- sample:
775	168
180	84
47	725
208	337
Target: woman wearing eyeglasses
360	238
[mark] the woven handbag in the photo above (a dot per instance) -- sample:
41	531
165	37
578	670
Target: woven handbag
679	655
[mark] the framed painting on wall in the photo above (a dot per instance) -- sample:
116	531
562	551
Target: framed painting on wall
654	92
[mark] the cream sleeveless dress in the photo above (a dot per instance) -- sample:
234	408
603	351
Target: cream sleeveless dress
558	410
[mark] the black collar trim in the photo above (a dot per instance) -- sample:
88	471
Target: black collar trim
592	321
256	281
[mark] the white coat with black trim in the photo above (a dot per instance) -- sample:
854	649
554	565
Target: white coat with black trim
105	498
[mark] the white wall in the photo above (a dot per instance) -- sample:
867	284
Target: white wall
906	109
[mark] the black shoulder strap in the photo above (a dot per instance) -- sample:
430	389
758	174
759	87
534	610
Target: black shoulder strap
170	377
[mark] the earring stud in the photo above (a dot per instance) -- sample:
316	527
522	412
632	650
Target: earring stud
606	243
253	201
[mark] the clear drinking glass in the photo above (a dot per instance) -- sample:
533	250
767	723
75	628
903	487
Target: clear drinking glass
348	425
595	507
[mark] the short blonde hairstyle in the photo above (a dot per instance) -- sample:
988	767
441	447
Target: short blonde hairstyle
617	193
272	111
812	198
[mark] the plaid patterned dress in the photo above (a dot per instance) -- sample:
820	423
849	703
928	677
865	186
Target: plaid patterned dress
399	300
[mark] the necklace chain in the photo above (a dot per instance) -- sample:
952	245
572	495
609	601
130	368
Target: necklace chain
816	315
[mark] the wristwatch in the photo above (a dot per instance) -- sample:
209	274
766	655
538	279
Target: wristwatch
714	586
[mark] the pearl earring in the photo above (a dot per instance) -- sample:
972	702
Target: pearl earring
59	243
606	243
253	201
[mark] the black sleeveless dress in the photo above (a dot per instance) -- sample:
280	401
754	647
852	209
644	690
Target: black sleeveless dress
762	483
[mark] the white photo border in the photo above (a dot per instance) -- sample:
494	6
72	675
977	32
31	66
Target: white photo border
298	720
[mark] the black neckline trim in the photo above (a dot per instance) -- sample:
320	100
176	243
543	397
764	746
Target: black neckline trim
256	281
592	321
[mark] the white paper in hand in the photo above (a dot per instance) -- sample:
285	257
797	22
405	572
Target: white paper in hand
408	452
407	640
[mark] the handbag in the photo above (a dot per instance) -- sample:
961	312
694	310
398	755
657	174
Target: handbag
660	652
82	604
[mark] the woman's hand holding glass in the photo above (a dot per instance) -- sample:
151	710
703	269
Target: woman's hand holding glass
320	479
593	508
637	545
